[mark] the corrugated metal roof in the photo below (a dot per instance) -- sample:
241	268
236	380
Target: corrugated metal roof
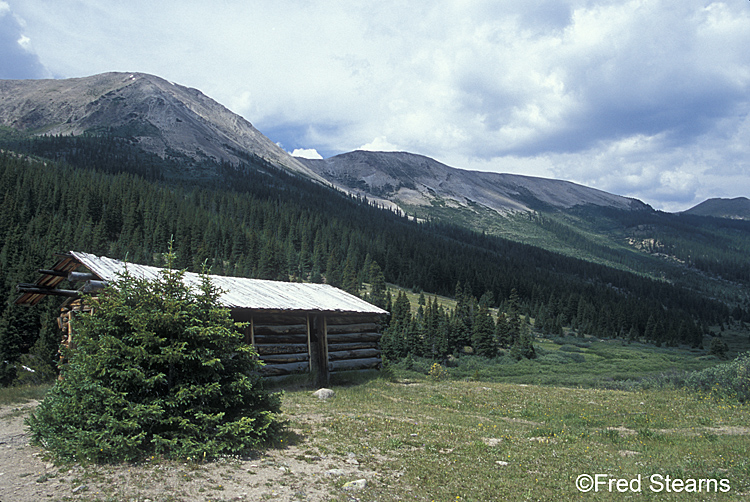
243	293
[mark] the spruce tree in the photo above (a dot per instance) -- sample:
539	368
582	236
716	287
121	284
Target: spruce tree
157	369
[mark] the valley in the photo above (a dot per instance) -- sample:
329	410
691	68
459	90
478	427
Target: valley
117	164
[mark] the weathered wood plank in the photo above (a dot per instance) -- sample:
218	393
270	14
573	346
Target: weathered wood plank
352	346
353	354
338	318
354	337
294	338
284	369
354	364
265	329
336	329
281	348
284	358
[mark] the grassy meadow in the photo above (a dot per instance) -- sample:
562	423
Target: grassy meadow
454	440
585	410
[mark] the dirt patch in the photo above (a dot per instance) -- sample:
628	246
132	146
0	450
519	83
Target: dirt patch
726	430
623	431
297	472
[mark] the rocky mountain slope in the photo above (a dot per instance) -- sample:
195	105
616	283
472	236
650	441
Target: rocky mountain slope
736	209
172	120
165	118
407	180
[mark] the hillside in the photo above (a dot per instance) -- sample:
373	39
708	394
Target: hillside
161	117
737	208
555	215
597	263
411	180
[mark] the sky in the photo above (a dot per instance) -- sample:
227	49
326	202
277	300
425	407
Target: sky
641	98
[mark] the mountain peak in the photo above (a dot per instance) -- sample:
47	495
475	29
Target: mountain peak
165	118
408	179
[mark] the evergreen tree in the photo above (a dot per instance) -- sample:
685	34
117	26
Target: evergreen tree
483	336
157	369
378	286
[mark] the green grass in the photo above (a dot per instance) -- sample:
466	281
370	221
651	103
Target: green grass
579	362
22	393
480	441
465	440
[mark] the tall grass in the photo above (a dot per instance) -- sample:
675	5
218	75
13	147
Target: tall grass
22	393
728	381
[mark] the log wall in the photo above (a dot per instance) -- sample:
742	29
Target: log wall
315	344
282	343
353	345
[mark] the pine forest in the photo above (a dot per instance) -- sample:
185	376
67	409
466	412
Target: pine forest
104	196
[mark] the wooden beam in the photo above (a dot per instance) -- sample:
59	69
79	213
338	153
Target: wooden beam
56	273
35	289
354	337
284	358
335	329
289	329
355	364
81	277
339	355
319	351
294	338
284	369
351	346
308	322
281	348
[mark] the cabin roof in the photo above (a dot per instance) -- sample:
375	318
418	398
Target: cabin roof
238	292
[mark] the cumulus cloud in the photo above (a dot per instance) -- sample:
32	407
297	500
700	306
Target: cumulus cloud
644	98
307	153
379	144
19	60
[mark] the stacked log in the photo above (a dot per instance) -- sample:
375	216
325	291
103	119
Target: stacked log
353	346
316	344
282	347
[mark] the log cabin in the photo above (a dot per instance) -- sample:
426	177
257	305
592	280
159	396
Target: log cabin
296	328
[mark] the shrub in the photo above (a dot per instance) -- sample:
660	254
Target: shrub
437	372
730	380
157	369
718	348
724	381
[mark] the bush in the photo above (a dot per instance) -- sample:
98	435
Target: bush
729	380
718	348
724	381
157	369
437	372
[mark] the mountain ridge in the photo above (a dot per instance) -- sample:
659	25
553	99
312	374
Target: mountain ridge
168	119
409	179
164	117
737	208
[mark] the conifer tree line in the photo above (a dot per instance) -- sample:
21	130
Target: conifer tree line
255	221
437	332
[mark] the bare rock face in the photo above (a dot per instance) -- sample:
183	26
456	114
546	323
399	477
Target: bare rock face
165	118
172	120
408	179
